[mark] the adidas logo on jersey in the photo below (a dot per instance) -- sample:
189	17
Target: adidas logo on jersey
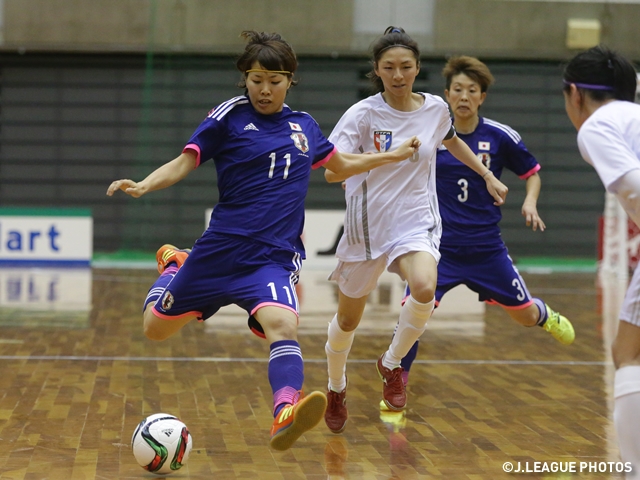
251	126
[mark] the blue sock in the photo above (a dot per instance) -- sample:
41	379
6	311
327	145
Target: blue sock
159	285
542	308
408	359
286	373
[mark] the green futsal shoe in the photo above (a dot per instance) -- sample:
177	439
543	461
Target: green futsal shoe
559	326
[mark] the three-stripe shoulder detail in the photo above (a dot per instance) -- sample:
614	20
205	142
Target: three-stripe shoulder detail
225	107
515	136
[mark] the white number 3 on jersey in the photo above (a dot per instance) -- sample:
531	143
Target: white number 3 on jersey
464	185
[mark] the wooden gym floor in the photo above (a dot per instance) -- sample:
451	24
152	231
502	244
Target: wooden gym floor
484	391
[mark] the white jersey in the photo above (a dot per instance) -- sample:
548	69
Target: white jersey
610	140
396	201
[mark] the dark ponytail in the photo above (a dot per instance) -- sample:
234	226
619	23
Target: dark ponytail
602	74
392	37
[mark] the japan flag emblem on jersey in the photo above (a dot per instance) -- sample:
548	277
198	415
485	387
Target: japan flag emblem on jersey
484	146
382	140
295	127
300	141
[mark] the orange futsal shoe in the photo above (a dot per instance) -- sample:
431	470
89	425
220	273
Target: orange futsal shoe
168	253
294	420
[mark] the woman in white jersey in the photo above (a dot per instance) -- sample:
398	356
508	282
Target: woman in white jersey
599	90
392	219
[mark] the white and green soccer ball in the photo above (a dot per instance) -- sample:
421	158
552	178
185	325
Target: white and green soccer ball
161	443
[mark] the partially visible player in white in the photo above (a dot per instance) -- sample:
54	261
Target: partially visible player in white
599	91
392	219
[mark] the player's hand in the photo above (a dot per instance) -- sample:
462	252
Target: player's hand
497	189
127	186
533	220
408	148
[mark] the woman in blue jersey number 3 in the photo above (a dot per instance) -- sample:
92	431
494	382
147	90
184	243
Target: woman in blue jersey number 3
392	220
599	92
472	249
251	252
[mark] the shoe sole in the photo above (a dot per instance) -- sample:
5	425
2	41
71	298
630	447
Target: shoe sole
337	431
308	414
391	407
172	247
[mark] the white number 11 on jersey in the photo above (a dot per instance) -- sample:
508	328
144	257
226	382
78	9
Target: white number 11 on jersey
287	157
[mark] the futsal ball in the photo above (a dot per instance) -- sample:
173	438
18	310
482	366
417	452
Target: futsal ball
161	443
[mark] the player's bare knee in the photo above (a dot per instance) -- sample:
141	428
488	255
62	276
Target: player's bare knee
281	327
348	321
423	292
624	354
626	346
154	333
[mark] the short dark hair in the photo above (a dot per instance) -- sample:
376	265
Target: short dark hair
392	37
471	67
602	73
271	51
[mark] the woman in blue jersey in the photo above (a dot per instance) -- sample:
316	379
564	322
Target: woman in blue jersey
251	252
599	90
472	249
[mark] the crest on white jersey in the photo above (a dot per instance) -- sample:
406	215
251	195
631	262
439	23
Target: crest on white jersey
382	140
295	127
484	146
300	141
485	158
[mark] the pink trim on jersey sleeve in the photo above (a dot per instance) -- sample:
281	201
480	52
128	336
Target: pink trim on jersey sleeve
193	146
530	172
198	315
324	160
272	304
506	307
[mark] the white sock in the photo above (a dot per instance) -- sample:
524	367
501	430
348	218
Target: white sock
412	324
626	414
337	349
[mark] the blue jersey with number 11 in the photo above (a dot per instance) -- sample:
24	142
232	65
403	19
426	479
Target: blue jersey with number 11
264	164
469	216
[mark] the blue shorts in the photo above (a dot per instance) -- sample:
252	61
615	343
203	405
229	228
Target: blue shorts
487	270
226	269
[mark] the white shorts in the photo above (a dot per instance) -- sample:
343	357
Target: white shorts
630	311
360	278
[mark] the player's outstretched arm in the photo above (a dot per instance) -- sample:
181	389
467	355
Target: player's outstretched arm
332	177
462	152
529	206
163	177
345	165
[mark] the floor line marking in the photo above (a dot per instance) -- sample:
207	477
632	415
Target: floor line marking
78	358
